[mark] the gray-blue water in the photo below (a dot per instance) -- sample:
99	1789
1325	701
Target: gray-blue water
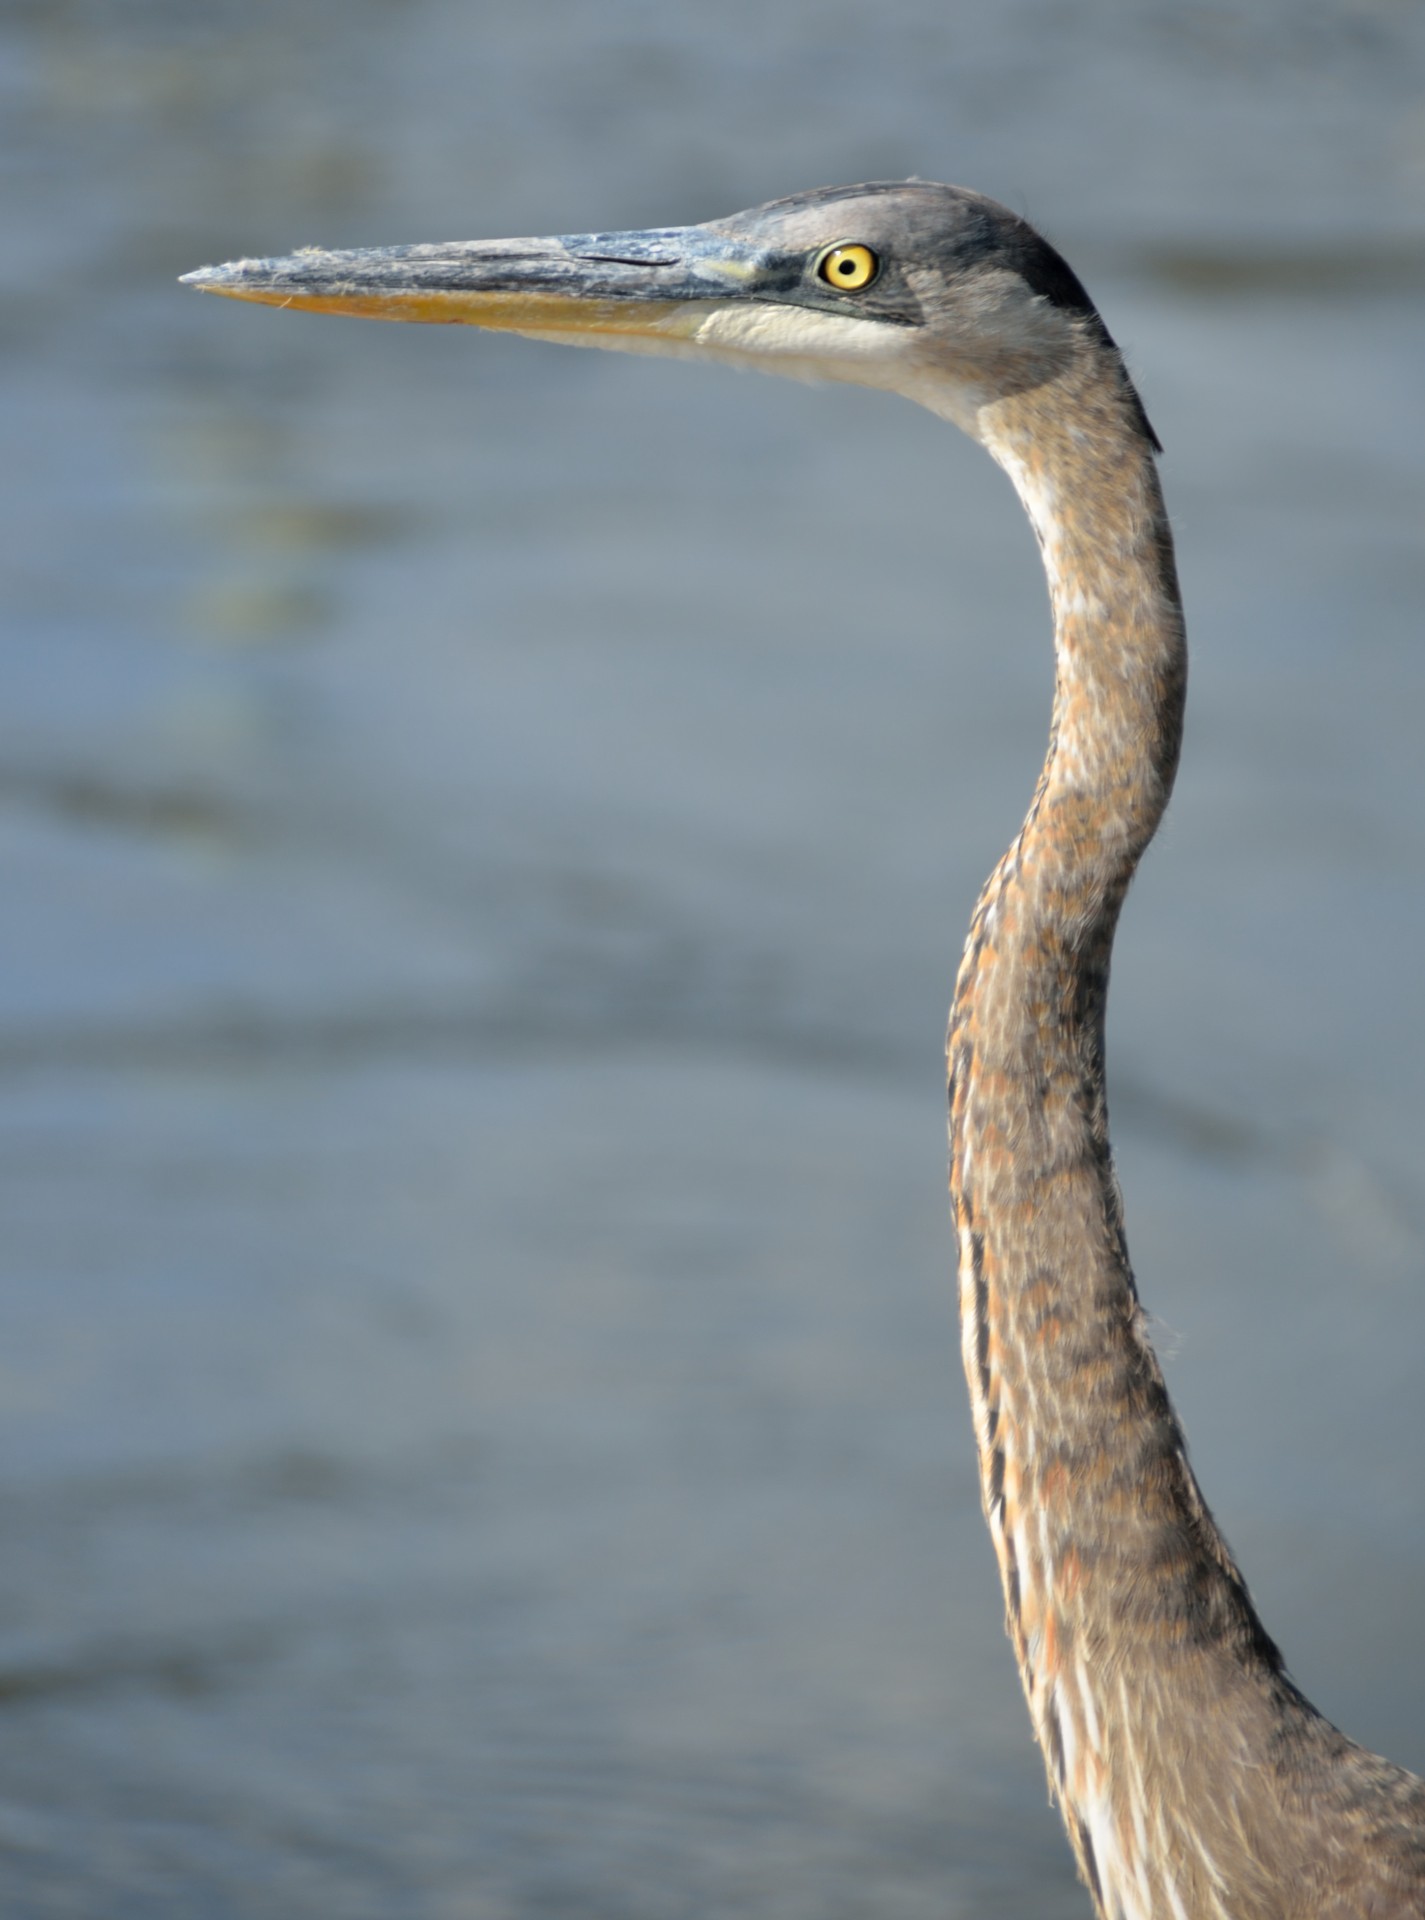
485	837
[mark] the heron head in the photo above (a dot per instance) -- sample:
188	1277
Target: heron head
926	290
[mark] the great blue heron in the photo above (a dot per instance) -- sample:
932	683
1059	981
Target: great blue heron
1195	1781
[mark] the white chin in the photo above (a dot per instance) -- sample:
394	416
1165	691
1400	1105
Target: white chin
798	343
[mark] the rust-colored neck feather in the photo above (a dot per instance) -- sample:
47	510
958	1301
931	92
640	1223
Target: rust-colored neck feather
1154	1691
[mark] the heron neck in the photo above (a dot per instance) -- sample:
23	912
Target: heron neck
1083	1474
1027	1024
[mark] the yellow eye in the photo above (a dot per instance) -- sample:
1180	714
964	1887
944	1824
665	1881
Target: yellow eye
850	268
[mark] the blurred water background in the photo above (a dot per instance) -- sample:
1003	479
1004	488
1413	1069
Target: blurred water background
486	836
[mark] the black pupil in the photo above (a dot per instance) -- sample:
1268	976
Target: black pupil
847	267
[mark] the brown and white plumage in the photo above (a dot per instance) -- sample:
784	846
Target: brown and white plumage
1195	1781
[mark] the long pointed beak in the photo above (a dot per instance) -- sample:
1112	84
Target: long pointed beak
662	281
